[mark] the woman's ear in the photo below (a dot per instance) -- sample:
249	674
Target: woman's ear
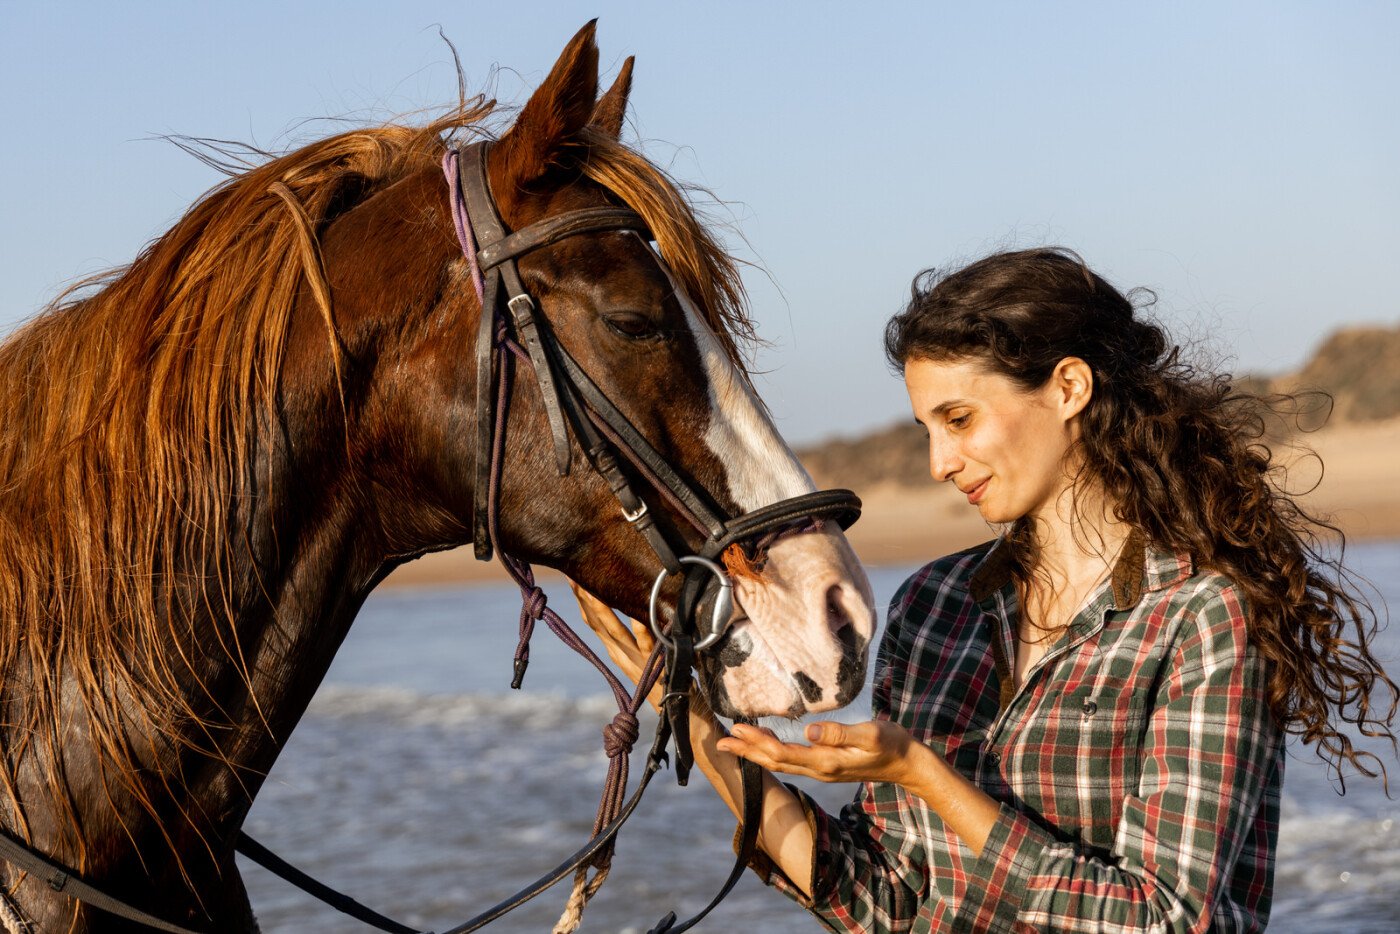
1073	386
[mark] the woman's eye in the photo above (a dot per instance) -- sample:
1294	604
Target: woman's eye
959	421
631	325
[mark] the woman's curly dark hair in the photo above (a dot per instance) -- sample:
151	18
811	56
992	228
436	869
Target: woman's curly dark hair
1184	458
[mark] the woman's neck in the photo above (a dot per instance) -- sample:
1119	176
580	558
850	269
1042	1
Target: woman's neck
1077	539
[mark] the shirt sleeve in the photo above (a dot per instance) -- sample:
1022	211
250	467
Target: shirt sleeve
869	873
1209	750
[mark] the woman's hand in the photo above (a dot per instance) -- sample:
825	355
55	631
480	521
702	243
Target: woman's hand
628	648
875	751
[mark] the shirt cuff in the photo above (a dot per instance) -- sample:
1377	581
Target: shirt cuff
1009	860
819	823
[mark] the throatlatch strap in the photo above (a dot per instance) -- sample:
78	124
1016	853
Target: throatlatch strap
489	298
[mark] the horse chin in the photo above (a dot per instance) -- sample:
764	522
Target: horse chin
800	635
737	684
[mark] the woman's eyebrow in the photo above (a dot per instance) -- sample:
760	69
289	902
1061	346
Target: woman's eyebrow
943	407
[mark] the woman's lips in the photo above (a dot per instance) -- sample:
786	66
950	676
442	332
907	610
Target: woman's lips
974	495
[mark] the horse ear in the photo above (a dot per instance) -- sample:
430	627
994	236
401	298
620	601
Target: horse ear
560	107
612	106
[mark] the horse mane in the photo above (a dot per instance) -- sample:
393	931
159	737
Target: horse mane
139	409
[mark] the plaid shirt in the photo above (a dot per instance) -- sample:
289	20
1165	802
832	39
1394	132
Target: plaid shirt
1137	766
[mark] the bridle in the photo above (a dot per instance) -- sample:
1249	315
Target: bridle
512	330
572	401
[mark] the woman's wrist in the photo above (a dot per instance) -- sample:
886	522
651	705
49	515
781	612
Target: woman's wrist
921	770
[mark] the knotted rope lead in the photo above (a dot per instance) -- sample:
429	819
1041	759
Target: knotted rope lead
620	735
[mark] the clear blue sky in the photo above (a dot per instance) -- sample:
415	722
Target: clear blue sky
1241	159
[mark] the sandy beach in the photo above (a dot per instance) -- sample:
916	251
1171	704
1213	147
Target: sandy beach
1359	489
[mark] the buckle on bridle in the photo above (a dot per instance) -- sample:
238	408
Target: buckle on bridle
522	297
633	516
719	619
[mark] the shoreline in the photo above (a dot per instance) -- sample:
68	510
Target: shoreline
1354	478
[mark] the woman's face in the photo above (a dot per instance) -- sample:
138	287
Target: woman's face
1005	449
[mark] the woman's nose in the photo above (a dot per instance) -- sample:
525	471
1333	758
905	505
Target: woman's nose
943	460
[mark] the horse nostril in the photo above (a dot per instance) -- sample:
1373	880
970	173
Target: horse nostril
850	675
838	618
848	637
811	691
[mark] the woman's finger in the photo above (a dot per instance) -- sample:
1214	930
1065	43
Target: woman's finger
641	633
758	741
600	617
864	736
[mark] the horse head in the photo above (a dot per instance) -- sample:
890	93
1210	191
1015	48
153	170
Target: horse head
657	331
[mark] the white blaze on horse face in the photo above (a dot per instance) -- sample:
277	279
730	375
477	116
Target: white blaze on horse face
801	631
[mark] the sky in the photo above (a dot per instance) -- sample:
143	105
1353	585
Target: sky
1238	158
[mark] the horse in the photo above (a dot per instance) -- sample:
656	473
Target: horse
211	456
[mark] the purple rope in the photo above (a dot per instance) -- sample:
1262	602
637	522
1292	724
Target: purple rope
460	220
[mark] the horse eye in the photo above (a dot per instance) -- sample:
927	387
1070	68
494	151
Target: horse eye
631	324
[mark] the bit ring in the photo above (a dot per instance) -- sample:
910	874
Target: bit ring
719	619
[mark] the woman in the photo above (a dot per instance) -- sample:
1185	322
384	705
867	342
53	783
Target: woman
1081	724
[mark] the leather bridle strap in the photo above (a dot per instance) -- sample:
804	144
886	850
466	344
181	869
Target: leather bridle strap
660	473
486	226
751	784
553	229
61	880
656	758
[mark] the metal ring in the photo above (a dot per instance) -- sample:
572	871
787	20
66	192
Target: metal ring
719	619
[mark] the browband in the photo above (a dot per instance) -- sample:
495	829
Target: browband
553	229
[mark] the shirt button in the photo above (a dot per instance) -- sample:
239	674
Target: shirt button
994	758
1090	708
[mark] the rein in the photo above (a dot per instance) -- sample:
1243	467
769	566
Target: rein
571	401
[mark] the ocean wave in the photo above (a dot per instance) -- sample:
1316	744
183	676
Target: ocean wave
1339	866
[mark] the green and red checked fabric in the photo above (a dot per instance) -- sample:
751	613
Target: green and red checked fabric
1138	767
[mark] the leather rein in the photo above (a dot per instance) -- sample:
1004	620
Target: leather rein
511	330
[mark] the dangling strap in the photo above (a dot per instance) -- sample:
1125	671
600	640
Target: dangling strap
751	778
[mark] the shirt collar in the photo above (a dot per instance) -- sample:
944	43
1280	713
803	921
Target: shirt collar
1141	568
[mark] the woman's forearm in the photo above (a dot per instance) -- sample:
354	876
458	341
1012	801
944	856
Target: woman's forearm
784	833
966	810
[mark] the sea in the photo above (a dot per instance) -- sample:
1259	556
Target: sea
422	785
